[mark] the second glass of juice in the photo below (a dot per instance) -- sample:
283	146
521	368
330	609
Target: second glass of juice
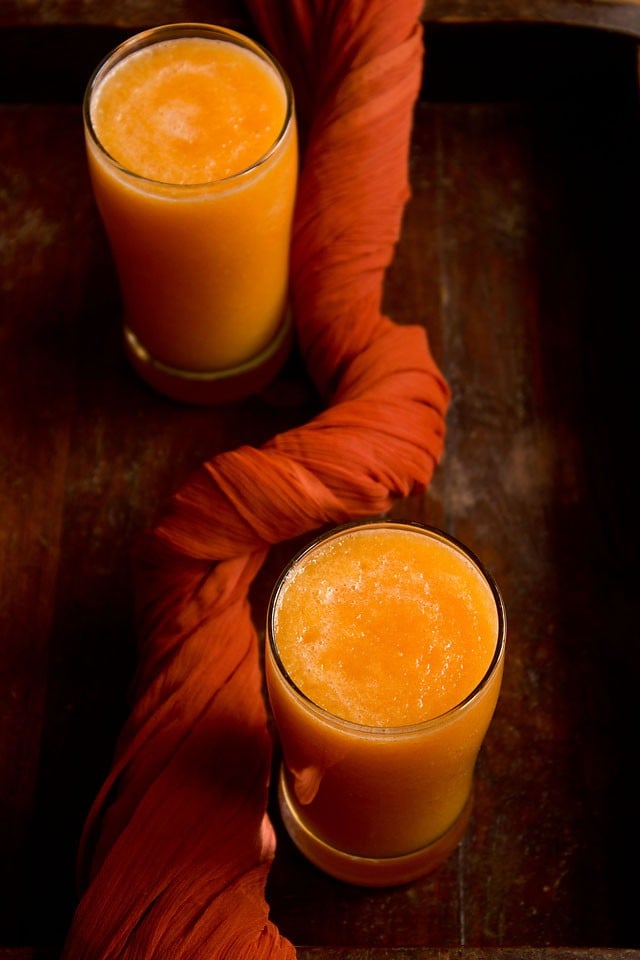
384	658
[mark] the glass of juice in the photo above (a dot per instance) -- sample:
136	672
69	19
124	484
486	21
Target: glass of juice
192	150
384	656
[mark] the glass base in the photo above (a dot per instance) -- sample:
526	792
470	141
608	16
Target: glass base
219	386
369	871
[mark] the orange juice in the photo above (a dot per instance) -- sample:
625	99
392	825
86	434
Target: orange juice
192	152
384	662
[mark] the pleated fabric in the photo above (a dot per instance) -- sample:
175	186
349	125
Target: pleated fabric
177	846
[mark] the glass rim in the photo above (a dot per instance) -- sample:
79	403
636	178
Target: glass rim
404	730
172	31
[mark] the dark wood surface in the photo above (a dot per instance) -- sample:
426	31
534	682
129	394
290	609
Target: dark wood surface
519	255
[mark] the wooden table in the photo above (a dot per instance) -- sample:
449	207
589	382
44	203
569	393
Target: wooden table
519	255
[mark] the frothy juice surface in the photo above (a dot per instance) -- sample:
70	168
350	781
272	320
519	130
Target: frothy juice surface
189	110
193	157
386	627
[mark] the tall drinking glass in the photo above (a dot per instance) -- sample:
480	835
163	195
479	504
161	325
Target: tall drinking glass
192	150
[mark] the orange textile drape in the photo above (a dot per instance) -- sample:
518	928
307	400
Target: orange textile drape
177	846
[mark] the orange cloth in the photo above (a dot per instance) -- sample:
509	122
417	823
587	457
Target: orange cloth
177	846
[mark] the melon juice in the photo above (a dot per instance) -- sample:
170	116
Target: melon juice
385	647
192	151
